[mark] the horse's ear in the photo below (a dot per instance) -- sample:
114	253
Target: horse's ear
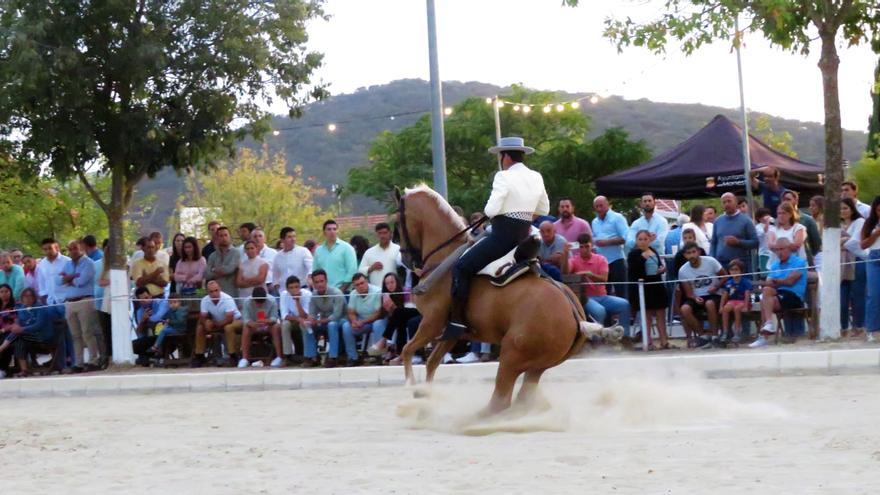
396	194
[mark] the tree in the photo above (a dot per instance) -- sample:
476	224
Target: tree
255	187
791	25
779	141
873	147
404	158
866	173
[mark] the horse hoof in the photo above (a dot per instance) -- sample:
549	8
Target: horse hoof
421	394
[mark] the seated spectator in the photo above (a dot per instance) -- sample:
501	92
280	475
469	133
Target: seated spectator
380	259
364	316
552	250
736	297
189	273
223	263
326	313
398	310
296	323
700	283
174	322
218	313
569	226
12	274
784	289
645	263
594	267
33	326
7	320
688	236
148	312
252	271
149	271
260	316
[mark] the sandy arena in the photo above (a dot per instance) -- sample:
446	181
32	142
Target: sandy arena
655	432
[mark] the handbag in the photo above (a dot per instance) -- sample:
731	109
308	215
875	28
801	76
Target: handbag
847	267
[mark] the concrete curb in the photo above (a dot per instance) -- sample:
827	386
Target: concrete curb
293	379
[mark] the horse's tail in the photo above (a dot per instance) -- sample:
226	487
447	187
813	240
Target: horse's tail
580	318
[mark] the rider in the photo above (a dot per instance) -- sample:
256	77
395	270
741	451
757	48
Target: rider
518	195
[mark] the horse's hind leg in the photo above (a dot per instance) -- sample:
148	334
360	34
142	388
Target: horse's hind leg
436	356
505	380
529	387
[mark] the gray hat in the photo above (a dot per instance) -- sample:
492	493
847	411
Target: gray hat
511	144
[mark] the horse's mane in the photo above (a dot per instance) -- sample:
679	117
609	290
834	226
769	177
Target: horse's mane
442	204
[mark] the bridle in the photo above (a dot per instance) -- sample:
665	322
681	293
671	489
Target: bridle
412	256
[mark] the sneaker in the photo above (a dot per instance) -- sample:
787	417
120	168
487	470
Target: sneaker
447	358
277	362
418	359
376	349
769	327
243	363
871	338
469	358
759	342
330	362
257	364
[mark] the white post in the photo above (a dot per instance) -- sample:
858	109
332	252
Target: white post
119	318
829	293
644	313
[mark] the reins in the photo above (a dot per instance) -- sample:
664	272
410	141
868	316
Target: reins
415	254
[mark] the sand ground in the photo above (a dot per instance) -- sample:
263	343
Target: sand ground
651	432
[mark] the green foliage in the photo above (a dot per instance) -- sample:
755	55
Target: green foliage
873	147
779	141
866	173
255	187
134	87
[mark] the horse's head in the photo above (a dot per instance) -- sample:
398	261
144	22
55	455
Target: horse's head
407	234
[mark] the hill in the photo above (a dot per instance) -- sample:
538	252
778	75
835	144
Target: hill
327	156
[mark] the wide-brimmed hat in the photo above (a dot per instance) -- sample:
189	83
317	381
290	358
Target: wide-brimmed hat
511	144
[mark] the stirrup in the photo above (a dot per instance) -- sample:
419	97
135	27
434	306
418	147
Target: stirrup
453	331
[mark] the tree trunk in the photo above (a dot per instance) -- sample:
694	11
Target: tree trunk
830	275
119	286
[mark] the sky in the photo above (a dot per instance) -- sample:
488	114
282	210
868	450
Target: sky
544	45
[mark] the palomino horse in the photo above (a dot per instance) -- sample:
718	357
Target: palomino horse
532	319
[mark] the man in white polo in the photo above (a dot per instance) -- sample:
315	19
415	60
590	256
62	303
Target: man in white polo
380	259
218	313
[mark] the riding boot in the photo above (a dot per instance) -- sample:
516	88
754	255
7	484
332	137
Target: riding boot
455	328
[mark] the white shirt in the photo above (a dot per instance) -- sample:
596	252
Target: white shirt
702	237
268	254
783	233
864	209
297	261
853	245
217	312
288	305
49	278
872	247
520	191
388	258
250	268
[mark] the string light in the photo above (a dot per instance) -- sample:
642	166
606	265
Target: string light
594	99
331	127
575	105
547	109
499	103
560	107
447	111
527	109
276	132
488	101
516	108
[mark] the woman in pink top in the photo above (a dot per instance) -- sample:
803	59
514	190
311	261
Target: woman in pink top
190	270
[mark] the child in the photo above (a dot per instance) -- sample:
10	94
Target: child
174	323
735	299
763	226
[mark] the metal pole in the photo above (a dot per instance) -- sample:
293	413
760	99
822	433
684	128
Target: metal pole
747	157
438	141
497	112
644	312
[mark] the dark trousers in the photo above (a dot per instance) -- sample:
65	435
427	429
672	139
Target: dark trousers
506	234
617	273
397	323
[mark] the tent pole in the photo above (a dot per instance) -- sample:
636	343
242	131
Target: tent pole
747	158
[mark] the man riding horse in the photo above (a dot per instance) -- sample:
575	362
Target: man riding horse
518	195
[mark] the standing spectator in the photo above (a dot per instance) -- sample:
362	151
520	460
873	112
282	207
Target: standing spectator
817	211
360	245
49	272
734	236
311	245
594	268
176	256
77	284
161	254
736	297
398	310
364	316
609	235
91	245
701	229
700	280
252	271
742	204
12	275
138	251
789	228
645	263
570	226
245	232
814	238
211	246
853	258
102	302
266	253
785	288
871	242
291	260
218	313
148	312
223	264
850	189
260	316
189	273
326	313
150	272
709	214
552	250
336	257
656	226
673	238
17	256
770	188
297	332
29	264
380	259
764	226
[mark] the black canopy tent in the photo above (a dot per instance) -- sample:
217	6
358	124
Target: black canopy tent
710	163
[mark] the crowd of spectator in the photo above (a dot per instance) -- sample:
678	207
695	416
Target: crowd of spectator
330	303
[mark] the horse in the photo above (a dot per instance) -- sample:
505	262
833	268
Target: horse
537	322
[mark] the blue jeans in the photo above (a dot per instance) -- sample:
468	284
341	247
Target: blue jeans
164	333
872	305
852	298
348	335
599	307
310	343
